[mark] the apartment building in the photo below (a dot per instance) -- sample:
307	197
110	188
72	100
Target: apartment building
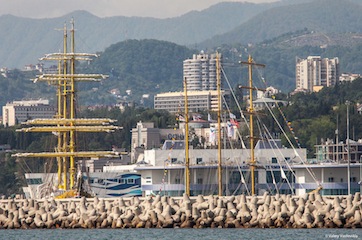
200	72
315	72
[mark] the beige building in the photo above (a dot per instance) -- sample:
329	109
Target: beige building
17	112
315	72
197	101
146	136
349	77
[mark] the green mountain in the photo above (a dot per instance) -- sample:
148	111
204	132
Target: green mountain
142	66
152	66
321	16
24	40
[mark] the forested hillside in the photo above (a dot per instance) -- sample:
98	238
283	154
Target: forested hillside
317	116
28	39
324	16
25	40
142	66
152	66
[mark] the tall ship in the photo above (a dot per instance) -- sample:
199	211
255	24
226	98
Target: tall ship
71	179
262	165
226	166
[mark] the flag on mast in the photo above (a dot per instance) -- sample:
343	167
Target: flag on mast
233	119
209	119
212	135
242	177
181	118
283	173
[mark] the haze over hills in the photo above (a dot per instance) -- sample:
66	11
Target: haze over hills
24	40
322	16
282	32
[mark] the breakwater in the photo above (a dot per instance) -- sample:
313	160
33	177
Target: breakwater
276	211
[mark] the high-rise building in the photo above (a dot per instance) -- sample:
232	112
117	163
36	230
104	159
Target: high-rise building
17	112
200	72
315	72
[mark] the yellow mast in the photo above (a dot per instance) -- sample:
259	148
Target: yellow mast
65	124
64	186
187	159
219	166
72	109
252	163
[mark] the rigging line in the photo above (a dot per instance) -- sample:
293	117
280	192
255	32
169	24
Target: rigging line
289	167
268	135
295	151
232	147
232	92
274	182
242	115
243	146
288	139
279	161
237	129
272	172
281	112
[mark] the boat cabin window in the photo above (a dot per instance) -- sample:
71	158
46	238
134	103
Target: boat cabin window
177	181
274	160
173	160
130	181
235	177
199	181
122	181
34	181
330	179
198	160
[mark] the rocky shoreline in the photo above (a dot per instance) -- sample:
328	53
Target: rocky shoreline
276	211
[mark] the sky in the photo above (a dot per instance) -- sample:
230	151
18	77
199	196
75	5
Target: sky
108	8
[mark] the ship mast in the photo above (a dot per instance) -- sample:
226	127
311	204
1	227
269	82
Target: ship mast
65	124
219	165
252	162
187	159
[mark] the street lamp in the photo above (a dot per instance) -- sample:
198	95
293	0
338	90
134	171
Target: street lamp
348	151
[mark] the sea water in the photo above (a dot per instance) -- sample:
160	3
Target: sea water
174	234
